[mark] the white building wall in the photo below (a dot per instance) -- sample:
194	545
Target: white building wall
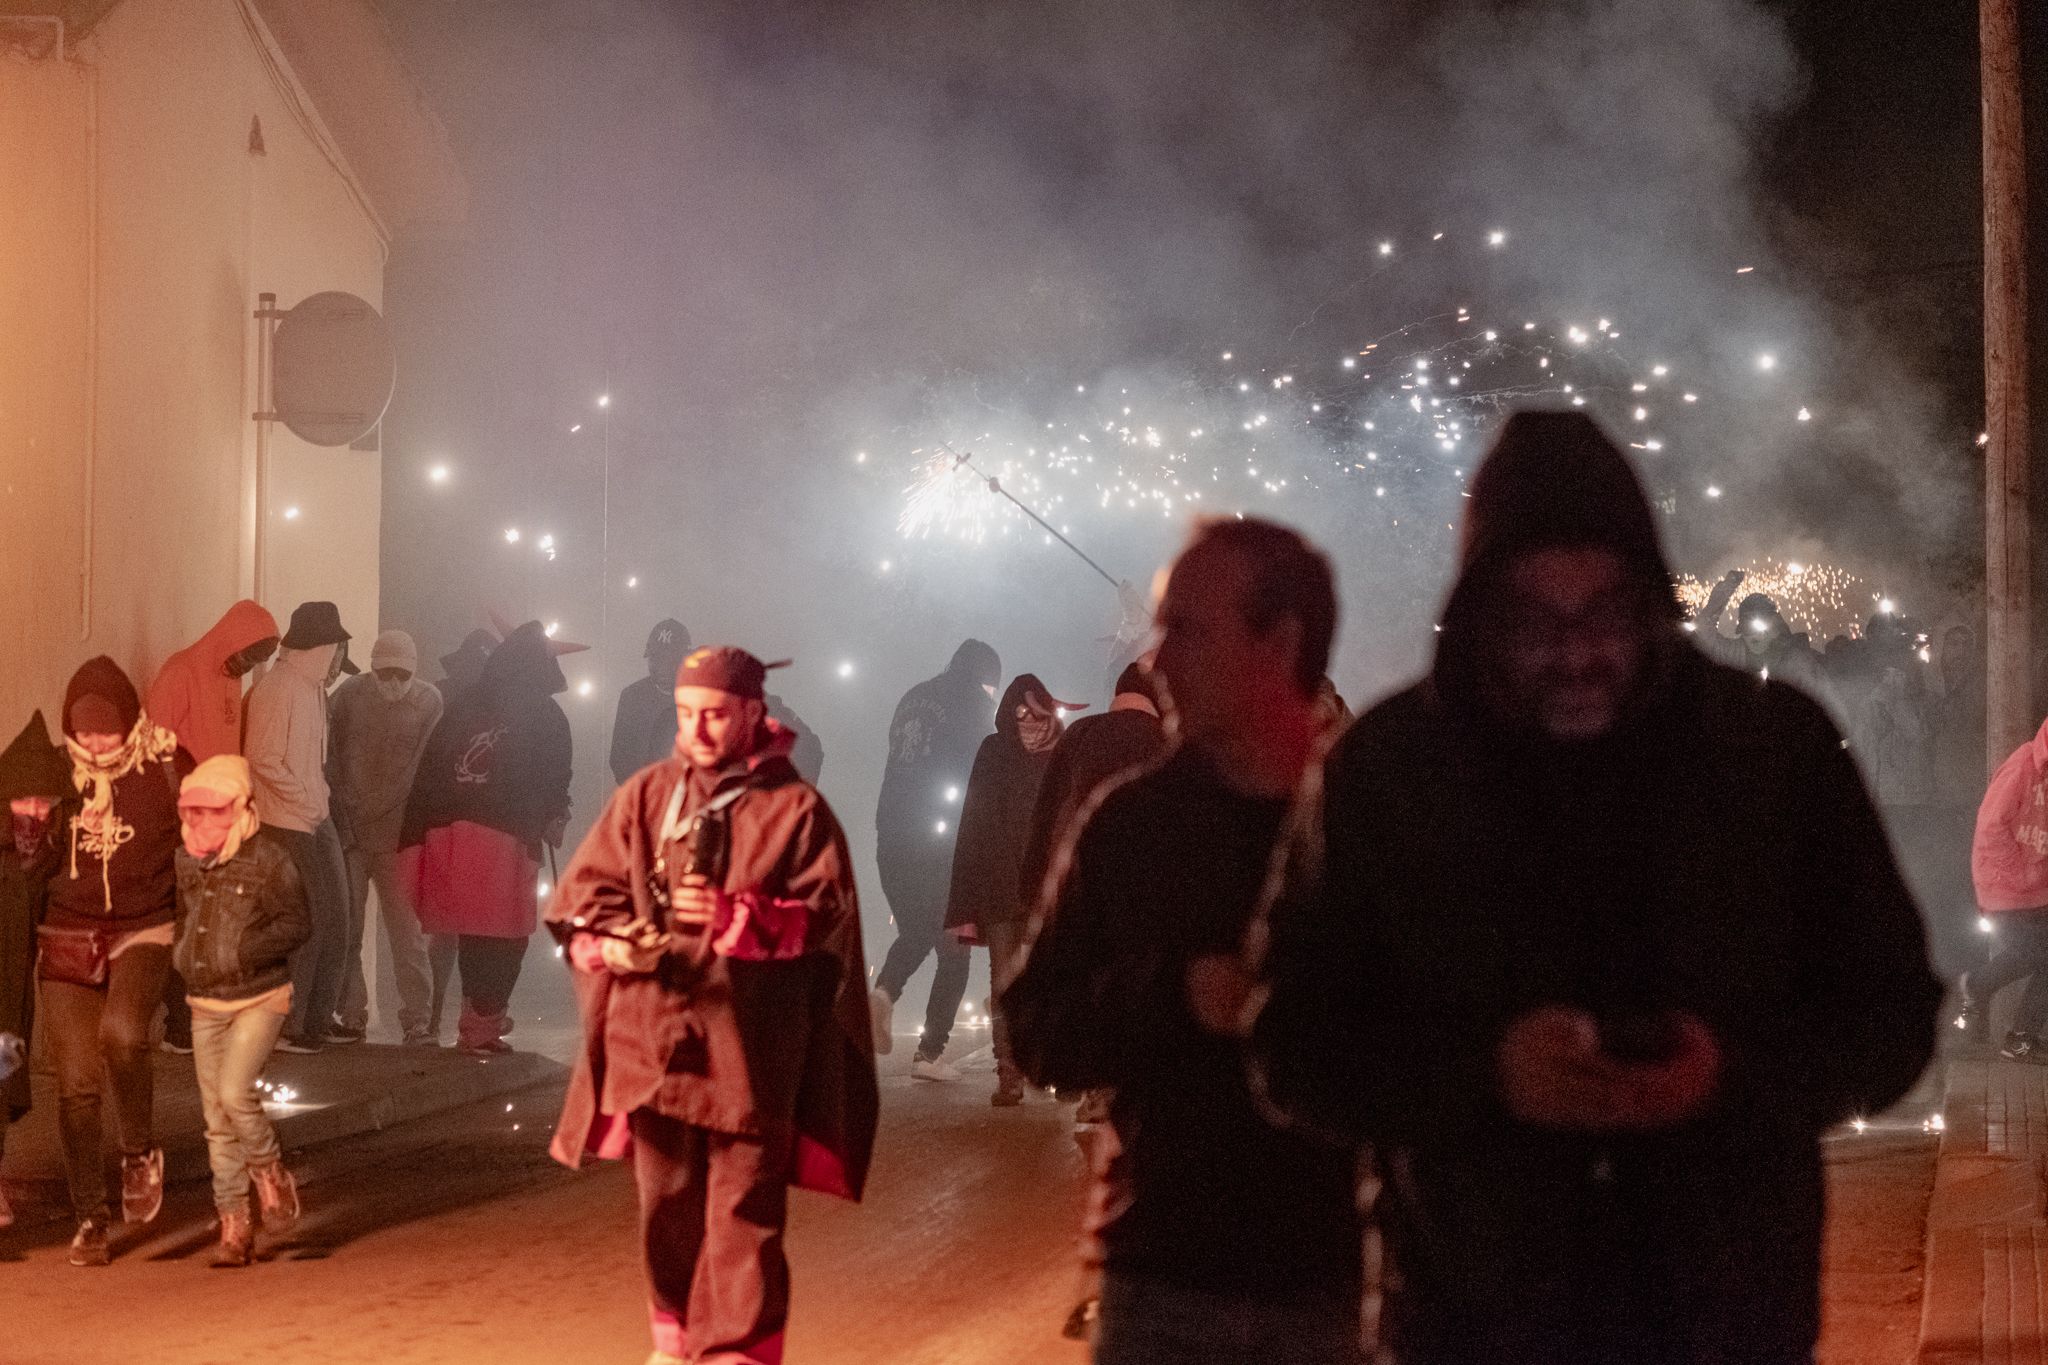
128	275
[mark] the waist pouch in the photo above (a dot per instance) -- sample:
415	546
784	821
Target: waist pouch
76	957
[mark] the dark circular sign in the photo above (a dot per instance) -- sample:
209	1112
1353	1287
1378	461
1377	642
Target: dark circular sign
332	369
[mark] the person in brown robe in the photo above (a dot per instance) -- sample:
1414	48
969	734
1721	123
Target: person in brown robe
711	920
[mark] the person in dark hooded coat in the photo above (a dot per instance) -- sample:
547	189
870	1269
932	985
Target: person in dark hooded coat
461	669
644	727
492	787
34	777
987	904
933	737
1094	749
1595	1060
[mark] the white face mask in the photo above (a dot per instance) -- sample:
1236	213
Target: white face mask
393	691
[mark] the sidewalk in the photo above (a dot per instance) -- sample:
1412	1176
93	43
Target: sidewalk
334	1094
1986	1295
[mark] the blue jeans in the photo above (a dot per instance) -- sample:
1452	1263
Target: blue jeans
1149	1322
320	965
228	1051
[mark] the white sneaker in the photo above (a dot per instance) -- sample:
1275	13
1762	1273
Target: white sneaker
934	1069
882	1014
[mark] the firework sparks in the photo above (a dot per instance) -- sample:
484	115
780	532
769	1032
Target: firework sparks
1821	599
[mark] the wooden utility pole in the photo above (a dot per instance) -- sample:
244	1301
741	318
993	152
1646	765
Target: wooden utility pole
2008	573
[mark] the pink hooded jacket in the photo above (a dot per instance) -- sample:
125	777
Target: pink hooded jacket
194	698
2009	857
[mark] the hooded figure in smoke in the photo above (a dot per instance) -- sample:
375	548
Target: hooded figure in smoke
461	670
197	694
34	778
644	728
986	905
493	786
380	724
1594	1065
933	737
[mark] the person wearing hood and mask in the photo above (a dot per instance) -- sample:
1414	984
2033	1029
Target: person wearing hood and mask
380	722
987	904
197	696
492	787
1594	1064
104	948
1094	749
287	746
241	910
712	923
644	729
34	778
933	737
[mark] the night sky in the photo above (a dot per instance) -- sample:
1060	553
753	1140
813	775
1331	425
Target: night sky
783	235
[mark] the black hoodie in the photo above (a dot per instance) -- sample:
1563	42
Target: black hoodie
1470	873
995	819
500	756
932	741
140	874
30	766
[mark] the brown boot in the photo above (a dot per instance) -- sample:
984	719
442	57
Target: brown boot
277	1194
237	1240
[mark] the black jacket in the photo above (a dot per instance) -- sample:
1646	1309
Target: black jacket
933	737
1716	854
239	921
644	728
500	755
995	821
1092	751
1207	1195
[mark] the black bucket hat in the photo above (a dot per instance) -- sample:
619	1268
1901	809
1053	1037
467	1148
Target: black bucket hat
315	624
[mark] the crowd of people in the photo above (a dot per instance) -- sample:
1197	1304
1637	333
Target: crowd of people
205	860
1487	971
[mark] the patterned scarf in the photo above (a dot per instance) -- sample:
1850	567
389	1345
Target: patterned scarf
96	826
225	775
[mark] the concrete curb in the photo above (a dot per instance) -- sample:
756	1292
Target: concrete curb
340	1093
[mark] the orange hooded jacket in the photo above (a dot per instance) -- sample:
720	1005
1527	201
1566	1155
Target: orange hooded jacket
194	698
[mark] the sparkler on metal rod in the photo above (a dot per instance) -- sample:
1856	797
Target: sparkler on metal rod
995	485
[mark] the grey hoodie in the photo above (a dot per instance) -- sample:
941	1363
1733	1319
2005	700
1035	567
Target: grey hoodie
376	746
285	739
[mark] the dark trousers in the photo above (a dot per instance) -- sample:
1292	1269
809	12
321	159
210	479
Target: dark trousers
490	969
1150	1322
177	1014
712	1209
319	964
99	1038
918	901
1005	949
2022	952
